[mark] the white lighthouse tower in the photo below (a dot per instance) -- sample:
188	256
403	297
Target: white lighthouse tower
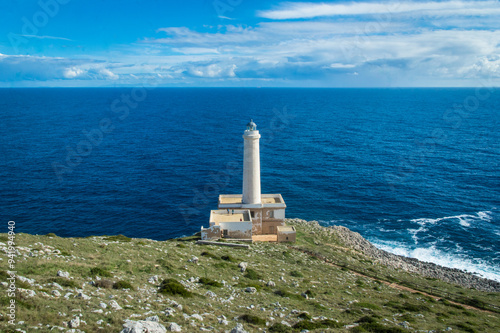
251	165
250	216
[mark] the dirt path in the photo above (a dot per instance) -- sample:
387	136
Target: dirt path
387	283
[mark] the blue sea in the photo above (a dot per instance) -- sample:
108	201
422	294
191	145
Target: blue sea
415	171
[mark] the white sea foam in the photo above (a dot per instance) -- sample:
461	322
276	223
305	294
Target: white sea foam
434	255
464	220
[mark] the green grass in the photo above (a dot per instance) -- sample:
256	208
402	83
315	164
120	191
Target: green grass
367	305
375	327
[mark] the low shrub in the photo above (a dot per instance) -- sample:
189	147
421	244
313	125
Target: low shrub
305	315
165	265
174	288
252	275
296	274
310	294
311	325
64	282
118	238
64	253
475	302
416	308
366	319
123	285
279	328
256	285
228	257
210	282
251	319
51	234
465	327
99	272
108	284
284	293
209	255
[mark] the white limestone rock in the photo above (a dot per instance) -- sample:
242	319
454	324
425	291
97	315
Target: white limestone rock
173	327
250	290
197	316
243	266
141	326
153	279
83	296
63	274
239	329
74	323
114	305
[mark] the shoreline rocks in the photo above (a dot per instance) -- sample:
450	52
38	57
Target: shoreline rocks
355	241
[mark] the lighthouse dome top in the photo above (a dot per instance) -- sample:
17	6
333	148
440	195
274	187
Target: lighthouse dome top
251	126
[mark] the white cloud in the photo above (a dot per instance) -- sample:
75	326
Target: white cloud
211	70
45	37
73	72
34	68
195	50
338	65
307	10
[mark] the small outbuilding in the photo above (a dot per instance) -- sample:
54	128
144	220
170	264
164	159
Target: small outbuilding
286	233
228	223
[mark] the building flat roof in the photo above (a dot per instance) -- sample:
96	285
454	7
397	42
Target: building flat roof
221	215
285	228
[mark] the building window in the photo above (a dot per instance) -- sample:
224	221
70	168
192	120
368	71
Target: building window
271	214
224	232
252	214
287	238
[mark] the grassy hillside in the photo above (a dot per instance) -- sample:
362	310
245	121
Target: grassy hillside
147	278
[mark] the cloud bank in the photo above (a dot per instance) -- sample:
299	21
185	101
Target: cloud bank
433	43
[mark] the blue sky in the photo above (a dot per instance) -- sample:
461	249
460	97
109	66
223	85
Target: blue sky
249	43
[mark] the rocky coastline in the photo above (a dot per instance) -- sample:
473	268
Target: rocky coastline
356	242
